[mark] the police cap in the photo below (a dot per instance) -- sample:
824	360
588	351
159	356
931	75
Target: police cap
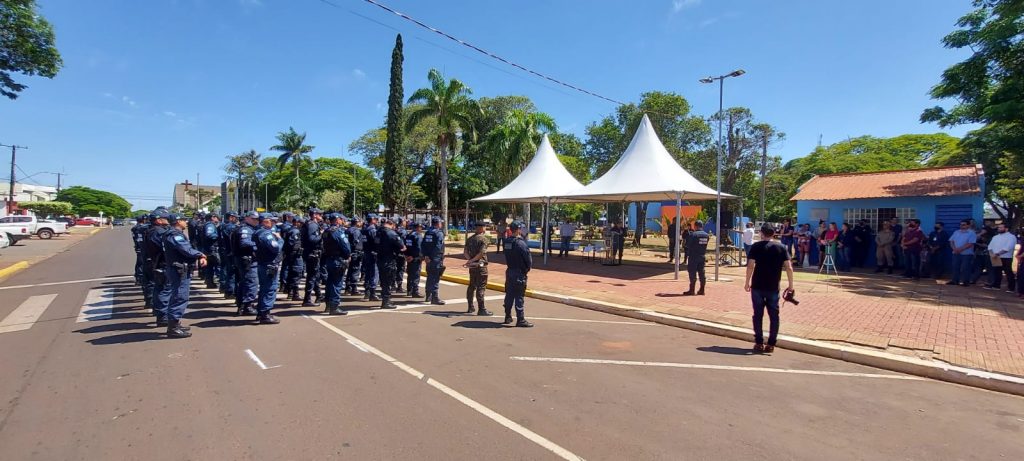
230	214
287	214
176	217
265	216
516	225
435	220
417	225
159	213
315	210
372	216
252	214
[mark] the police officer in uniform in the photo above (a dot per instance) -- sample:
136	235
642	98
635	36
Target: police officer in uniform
153	249
696	248
337	251
138	237
243	247
211	248
519	262
311	252
370	258
413	259
355	239
400	261
433	255
286	224
293	257
389	248
228	271
268	263
181	257
476	261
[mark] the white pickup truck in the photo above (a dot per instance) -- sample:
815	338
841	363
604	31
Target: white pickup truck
41	228
15	232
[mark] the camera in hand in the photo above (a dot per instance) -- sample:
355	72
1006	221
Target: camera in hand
790	296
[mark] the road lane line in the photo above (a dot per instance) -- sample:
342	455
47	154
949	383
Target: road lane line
99	305
26	315
716	367
477	406
614	322
47	284
252	355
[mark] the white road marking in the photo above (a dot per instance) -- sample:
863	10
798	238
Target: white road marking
26	315
447	283
99	305
357	346
616	322
477	406
47	284
717	367
252	355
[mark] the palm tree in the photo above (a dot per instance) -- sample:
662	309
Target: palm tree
449	103
512	143
244	168
293	147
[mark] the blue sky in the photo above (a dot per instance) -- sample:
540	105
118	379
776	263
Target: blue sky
154	91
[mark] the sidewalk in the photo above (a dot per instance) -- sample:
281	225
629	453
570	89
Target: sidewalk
35	249
969	327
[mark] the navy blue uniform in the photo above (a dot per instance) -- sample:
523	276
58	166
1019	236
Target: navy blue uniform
243	247
211	248
311	252
413	240
139	236
355	239
696	248
181	258
158	290
433	248
519	261
337	252
268	263
293	259
228	271
282	229
389	247
369	258
400	261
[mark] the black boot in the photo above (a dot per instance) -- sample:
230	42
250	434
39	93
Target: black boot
308	302
175	330
483	311
689	292
229	295
508	317
437	301
161	321
387	304
294	295
470	310
522	323
267	319
246	309
700	292
373	298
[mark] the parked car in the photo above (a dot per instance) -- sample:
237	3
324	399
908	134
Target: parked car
15	232
119	222
4	241
42	228
86	222
70	222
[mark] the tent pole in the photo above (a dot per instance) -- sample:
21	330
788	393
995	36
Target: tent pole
467	222
544	237
679	222
743	251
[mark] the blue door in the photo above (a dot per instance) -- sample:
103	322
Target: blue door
950	215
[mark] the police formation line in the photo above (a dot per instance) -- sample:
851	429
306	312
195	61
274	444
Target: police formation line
251	257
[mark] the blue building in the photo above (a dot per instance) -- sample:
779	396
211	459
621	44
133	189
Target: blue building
946	194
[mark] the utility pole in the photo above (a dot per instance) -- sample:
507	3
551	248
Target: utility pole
199	193
764	169
10	195
58	181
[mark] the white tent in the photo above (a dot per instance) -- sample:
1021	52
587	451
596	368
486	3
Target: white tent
647	172
542	181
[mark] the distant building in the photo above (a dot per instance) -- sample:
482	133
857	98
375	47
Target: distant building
185	195
25	193
945	194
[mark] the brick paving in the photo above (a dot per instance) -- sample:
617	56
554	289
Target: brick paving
965	326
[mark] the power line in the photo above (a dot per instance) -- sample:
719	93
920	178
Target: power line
478	49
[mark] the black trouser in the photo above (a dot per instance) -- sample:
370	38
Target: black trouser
312	261
355	265
765	300
139	261
212	269
671	249
412	270
617	251
477	285
515	293
399	270
996	278
695	268
387	269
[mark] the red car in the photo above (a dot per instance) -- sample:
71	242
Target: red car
86	222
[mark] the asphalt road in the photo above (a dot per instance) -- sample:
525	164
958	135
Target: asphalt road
87	376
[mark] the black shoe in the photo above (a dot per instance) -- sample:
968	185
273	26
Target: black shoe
229	296
758	348
688	293
471	309
769	349
484	312
308	303
437	301
317	300
246	310
522	323
951	283
267	319
336	311
373	299
161	321
508	320
415	295
212	286
175	330
387	304
700	292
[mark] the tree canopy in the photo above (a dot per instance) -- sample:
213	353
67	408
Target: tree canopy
53	208
27	45
90	202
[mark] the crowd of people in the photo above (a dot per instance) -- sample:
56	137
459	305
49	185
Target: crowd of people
253	256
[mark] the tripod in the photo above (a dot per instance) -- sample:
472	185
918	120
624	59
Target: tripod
829	267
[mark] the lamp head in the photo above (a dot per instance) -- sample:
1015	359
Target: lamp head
737	73
706	80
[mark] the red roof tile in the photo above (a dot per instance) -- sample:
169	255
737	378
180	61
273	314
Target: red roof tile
925	182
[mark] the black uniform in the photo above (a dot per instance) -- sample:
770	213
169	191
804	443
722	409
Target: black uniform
293	259
400	260
355	265
311	251
389	248
337	250
519	261
370	259
413	239
696	248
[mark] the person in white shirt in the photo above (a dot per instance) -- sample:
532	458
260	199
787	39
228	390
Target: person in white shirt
748	238
1001	250
567	230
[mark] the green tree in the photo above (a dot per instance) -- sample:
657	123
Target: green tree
48	208
396	179
292	146
449	103
27	45
567	144
988	88
513	143
89	202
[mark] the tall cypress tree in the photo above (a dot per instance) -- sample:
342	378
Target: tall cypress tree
396	178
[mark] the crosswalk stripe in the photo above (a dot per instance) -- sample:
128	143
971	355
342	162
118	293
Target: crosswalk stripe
99	305
27	313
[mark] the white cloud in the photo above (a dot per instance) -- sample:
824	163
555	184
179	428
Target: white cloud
680	5
358	73
170	114
108	95
708	22
250	3
127	100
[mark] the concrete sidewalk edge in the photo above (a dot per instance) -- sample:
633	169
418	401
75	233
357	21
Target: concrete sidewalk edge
13	269
878	359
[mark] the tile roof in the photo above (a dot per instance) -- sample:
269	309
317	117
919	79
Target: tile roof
925	182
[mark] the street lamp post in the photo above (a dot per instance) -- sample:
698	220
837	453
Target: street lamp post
718	163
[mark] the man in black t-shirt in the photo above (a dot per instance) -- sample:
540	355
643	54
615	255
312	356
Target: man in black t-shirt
764	271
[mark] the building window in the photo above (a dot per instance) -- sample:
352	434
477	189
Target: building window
874	216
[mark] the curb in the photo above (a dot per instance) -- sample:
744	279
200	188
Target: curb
13	269
883	360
